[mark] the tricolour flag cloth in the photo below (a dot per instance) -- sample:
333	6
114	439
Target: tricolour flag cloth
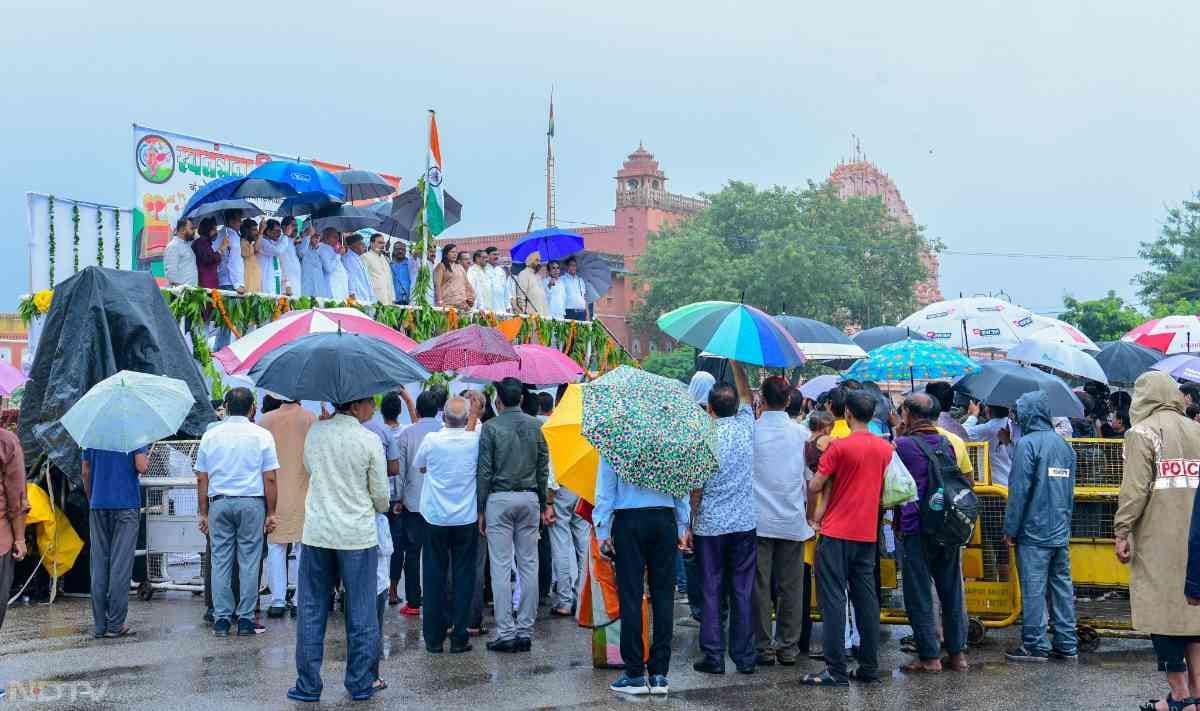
435	206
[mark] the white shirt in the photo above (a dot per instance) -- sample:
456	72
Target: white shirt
448	494
179	261
780	477
235	453
269	254
383	577
999	455
575	291
231	271
334	271
497	284
480	284
556	297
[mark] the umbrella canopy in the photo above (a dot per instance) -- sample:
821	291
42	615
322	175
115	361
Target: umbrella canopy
344	218
881	336
11	378
1061	357
550	243
363	184
213	190
814	388
596	275
400	213
1180	366
573	458
463	347
1001	382
305	204
241	355
536	365
911	360
285	178
1051	330
735	331
820	341
1169	335
978	322
649	429
127	411
1123	361
336	367
216	207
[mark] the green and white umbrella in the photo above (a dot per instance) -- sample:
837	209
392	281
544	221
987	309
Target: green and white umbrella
127	411
650	430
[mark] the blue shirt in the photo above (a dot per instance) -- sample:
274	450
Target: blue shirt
401	281
614	493
114	480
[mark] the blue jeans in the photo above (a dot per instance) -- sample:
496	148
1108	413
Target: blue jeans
925	561
236	526
1046	573
320	568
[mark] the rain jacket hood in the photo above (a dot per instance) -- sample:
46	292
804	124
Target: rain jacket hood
1041	485
1154	392
1033	412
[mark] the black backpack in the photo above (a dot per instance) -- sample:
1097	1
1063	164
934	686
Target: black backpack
954	524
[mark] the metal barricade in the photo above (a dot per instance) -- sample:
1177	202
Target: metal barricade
980	463
175	548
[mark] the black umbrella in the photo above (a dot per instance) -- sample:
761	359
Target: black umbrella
596	274
881	336
1123	361
400	213
820	341
1001	382
344	218
363	185
336	367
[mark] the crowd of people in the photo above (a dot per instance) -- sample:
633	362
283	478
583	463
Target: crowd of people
281	257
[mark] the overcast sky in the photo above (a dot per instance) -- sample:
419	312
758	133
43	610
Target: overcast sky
1060	127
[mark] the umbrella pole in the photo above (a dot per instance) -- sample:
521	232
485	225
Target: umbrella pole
966	341
912	384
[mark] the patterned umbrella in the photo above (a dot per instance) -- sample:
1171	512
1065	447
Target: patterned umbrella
535	365
910	360
647	427
464	347
735	331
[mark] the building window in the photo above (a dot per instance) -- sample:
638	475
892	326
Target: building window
655	184
608	300
652	346
636	346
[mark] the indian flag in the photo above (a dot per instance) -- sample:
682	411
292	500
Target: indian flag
435	206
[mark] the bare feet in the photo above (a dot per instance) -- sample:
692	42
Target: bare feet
922	666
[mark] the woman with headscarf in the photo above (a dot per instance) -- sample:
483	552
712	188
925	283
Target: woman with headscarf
701	383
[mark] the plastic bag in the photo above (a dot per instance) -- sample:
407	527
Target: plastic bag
899	487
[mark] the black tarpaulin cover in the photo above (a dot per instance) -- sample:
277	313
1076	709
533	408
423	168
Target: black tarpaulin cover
102	321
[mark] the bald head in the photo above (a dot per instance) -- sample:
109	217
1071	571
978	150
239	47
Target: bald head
920	406
456	413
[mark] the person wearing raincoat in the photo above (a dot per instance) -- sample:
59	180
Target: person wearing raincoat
1037	519
1158	490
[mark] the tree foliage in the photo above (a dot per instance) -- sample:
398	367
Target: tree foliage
1105	319
808	252
679	363
1174	275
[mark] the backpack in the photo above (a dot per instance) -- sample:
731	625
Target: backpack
949	507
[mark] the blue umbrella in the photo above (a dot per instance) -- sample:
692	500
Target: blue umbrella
336	367
1181	366
285	178
735	331
911	360
212	191
551	243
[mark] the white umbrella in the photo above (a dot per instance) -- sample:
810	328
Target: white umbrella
976	322
1060	357
127	411
1051	330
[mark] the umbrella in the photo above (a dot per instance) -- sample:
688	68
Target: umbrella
535	365
1123	361
11	378
1169	335
975	322
285	178
735	331
573	458
213	190
649	429
880	336
363	184
344	218
820	341
1001	382
305	204
1180	366
216	207
814	388
128	411
550	243
1051	330
241	355
911	360
1059	356
463	347
400	213
336	367
596	274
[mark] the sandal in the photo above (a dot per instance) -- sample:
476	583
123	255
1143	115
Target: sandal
1172	704
916	667
961	665
125	631
822	679
379	685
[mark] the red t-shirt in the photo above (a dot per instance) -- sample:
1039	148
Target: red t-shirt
856	465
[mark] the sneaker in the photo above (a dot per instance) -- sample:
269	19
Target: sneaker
709	666
658	685
208	616
221	628
410	611
1021	654
249	628
275	612
296	695
1059	656
635	686
766	660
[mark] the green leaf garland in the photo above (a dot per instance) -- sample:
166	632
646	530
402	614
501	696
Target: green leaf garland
99	237
75	240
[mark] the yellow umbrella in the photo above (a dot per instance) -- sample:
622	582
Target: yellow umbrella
574	459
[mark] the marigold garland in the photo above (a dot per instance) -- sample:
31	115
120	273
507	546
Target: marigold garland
216	296
451	318
282	306
570	340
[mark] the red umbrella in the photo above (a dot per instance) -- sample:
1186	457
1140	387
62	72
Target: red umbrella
537	365
463	347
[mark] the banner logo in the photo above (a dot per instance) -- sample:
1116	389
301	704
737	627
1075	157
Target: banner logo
986	331
155	158
1024	322
940	314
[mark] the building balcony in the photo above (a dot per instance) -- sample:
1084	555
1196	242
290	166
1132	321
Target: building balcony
659	200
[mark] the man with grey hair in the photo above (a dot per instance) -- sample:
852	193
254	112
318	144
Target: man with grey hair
447	458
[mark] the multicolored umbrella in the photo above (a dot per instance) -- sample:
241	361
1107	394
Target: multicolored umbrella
241	355
650	431
1059	356
735	331
912	360
550	243
975	322
536	365
464	347
1180	366
128	410
1169	335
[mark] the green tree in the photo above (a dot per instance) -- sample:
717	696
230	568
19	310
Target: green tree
808	252
679	364
1104	319
1174	257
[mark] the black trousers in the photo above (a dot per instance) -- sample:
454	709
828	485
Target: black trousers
843	565
1171	651
449	553
8	566
645	544
576	314
414	538
396	561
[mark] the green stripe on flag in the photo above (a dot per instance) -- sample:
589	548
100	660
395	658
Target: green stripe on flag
435	218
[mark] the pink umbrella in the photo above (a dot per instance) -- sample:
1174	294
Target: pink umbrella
1169	335
10	378
536	365
463	347
241	355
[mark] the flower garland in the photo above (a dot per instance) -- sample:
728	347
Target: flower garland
51	203
117	237
216	296
282	306
99	237
75	241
